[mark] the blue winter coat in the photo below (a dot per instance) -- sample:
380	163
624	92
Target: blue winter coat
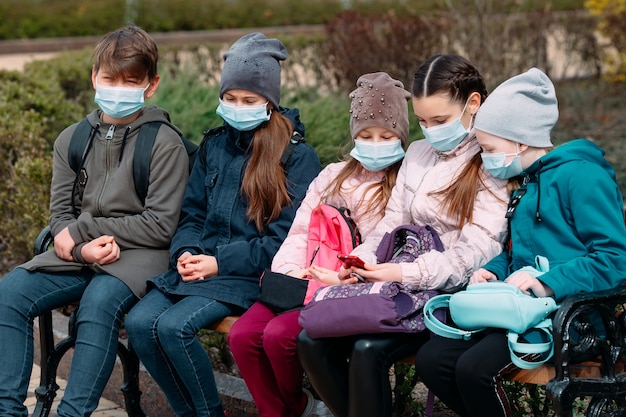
571	211
214	221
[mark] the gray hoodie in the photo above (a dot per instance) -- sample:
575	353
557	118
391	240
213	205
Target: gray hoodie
110	205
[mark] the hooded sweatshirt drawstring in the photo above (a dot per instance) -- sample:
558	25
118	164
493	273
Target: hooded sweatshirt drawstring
126	132
538	218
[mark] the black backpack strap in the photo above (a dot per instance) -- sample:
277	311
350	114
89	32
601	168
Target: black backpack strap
143	155
192	151
296	138
78	144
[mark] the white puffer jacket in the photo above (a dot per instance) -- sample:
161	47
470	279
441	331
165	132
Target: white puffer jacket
424	171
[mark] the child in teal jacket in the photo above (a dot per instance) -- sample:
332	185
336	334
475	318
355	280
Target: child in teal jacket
568	208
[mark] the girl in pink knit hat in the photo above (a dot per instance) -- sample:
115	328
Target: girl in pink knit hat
262	341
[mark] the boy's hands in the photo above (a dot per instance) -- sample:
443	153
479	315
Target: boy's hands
63	245
102	250
195	267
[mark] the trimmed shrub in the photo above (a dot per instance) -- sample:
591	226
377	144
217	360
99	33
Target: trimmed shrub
34	110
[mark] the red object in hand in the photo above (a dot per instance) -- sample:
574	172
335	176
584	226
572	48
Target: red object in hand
351	261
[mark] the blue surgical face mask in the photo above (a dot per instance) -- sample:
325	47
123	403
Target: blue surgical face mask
243	118
494	164
447	136
376	156
119	102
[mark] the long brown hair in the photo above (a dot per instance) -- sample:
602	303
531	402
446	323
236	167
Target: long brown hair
264	181
375	206
456	77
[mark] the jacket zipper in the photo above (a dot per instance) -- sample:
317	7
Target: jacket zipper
108	137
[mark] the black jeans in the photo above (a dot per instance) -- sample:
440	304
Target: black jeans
463	374
351	374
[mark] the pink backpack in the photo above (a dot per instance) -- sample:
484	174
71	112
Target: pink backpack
332	232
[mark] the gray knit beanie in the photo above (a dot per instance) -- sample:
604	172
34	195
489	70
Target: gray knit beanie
523	109
379	100
252	63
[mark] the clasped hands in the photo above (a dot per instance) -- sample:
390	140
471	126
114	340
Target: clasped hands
196	267
101	250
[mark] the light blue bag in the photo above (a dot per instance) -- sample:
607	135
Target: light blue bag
497	304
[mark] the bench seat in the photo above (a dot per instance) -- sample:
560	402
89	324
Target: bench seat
602	381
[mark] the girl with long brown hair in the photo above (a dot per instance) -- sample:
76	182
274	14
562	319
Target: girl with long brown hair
243	192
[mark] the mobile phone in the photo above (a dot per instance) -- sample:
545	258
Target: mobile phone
357	276
350	261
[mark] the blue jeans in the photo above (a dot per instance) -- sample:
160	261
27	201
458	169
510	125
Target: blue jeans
163	330
25	295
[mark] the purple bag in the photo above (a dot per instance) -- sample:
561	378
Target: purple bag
380	307
405	243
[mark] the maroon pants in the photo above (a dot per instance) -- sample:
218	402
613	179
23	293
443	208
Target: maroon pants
265	349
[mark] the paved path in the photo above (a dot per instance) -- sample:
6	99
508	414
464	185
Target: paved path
105	408
15	62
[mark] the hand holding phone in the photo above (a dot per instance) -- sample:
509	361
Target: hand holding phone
357	276
351	261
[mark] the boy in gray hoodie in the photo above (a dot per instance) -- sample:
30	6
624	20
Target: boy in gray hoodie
108	240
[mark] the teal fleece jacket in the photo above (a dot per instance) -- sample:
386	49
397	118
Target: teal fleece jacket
571	211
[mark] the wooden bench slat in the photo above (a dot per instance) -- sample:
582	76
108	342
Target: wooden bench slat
225	324
543	374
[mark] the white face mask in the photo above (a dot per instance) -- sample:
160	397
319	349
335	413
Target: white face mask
243	118
376	156
495	164
447	136
119	102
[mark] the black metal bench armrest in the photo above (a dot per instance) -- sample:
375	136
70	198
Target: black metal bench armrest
576	334
43	241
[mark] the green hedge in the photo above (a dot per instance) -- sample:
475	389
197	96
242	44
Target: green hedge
34	108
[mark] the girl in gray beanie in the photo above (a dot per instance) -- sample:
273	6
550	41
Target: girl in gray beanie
240	201
551	217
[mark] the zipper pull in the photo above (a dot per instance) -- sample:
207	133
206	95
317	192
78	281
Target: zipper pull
110	132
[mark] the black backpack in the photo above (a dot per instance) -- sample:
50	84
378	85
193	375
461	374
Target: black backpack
141	159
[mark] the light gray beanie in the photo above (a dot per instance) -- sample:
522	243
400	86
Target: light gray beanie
252	63
380	100
523	109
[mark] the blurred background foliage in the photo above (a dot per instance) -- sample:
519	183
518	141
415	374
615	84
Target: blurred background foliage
60	18
579	43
